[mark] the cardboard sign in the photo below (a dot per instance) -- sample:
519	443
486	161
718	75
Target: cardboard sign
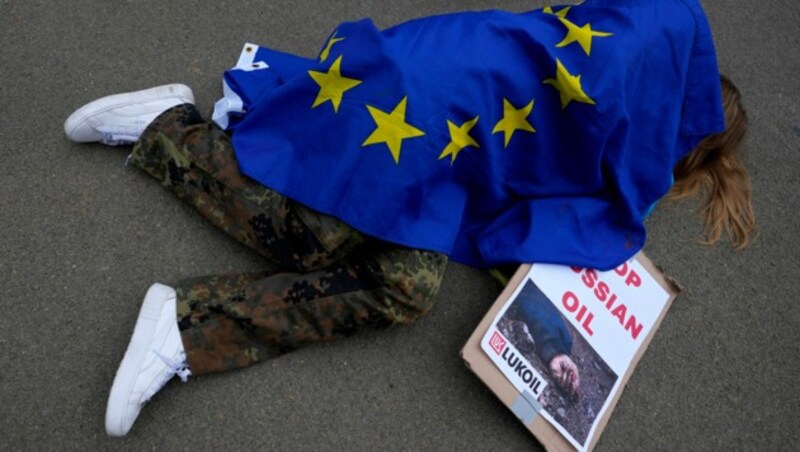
560	343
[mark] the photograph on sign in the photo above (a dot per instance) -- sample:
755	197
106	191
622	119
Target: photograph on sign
566	375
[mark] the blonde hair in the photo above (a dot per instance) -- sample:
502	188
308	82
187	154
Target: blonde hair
714	168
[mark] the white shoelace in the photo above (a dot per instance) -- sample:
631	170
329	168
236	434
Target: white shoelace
117	138
177	367
122	135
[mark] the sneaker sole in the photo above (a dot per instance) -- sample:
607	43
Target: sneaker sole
107	103
132	362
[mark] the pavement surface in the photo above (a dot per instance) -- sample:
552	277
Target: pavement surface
82	237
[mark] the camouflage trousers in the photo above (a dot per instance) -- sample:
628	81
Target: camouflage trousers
325	281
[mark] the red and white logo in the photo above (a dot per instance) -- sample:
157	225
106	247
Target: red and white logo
497	342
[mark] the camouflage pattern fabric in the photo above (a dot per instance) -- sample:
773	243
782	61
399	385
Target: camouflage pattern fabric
325	280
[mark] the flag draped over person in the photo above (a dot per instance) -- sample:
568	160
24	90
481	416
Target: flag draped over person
494	137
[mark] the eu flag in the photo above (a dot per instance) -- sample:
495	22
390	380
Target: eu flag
493	137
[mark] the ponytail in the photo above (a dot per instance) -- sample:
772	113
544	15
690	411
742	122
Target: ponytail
714	168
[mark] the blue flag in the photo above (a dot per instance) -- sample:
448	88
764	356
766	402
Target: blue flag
493	137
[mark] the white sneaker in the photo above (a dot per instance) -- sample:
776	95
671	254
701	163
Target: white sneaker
121	118
155	355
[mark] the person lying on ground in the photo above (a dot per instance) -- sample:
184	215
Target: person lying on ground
489	138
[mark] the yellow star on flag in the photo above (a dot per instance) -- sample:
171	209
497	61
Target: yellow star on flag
582	35
327	50
392	128
514	119
459	138
332	85
569	86
562	13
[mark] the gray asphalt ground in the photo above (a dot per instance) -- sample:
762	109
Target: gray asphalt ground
82	237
